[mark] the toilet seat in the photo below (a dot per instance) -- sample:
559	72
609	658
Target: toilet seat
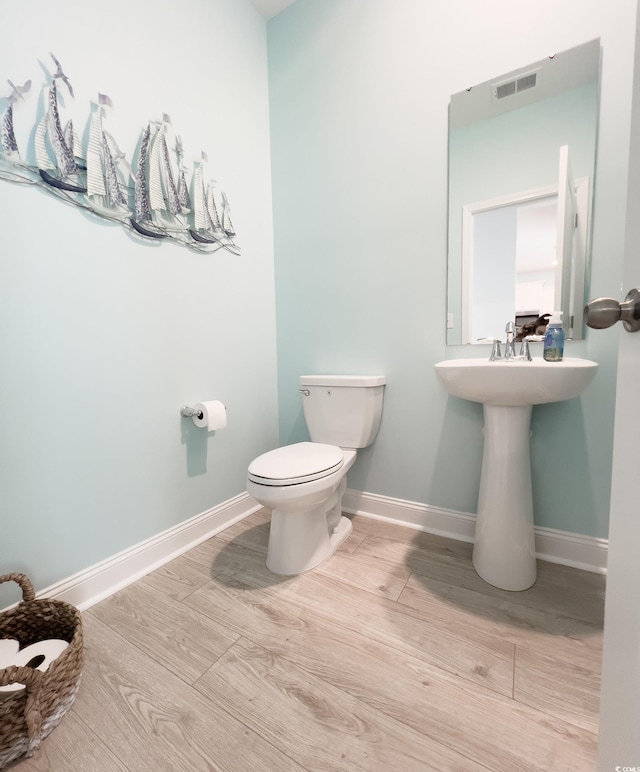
296	464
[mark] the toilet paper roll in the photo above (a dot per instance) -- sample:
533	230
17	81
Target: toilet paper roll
214	415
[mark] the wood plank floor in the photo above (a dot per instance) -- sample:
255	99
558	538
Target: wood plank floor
393	656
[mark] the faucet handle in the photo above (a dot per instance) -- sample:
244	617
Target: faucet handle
525	353
495	348
510	328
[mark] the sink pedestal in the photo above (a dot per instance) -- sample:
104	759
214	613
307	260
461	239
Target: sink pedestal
504	553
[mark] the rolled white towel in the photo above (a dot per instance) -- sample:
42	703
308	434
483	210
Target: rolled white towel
38	655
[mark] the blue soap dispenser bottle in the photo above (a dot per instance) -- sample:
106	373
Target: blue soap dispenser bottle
554	339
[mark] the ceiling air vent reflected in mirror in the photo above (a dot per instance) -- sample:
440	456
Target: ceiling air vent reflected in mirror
510	87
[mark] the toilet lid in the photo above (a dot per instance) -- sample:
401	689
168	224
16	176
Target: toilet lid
295	464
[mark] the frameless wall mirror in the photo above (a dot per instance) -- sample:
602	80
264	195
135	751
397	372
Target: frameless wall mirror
521	182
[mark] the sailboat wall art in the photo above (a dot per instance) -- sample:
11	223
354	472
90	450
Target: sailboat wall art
152	199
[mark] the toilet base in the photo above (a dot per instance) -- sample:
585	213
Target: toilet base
299	541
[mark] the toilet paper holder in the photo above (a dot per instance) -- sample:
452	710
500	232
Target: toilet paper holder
190	412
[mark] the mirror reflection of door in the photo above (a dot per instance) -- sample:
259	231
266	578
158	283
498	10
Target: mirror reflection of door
567	250
518	256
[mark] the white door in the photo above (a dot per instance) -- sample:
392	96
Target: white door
564	238
619	744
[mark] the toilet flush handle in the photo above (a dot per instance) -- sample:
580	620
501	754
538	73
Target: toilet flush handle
306	392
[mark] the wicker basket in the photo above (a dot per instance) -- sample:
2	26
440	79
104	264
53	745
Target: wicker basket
27	716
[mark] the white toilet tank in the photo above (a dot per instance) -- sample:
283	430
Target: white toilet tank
343	410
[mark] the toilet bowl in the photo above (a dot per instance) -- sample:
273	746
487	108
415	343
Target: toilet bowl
305	496
303	484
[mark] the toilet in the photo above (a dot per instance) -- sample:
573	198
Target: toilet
303	483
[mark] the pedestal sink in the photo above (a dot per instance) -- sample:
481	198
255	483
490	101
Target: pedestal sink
504	552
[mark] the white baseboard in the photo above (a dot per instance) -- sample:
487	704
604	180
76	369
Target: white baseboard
97	582
568	549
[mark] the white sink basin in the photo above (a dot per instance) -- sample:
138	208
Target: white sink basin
504	551
515	382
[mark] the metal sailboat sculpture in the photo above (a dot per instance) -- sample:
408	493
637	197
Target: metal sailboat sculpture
164	201
63	173
7	134
141	220
156	200
104	188
227	226
206	222
183	188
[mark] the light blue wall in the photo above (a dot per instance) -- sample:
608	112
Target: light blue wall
359	94
104	338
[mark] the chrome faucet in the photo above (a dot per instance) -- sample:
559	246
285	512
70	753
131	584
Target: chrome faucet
509	348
